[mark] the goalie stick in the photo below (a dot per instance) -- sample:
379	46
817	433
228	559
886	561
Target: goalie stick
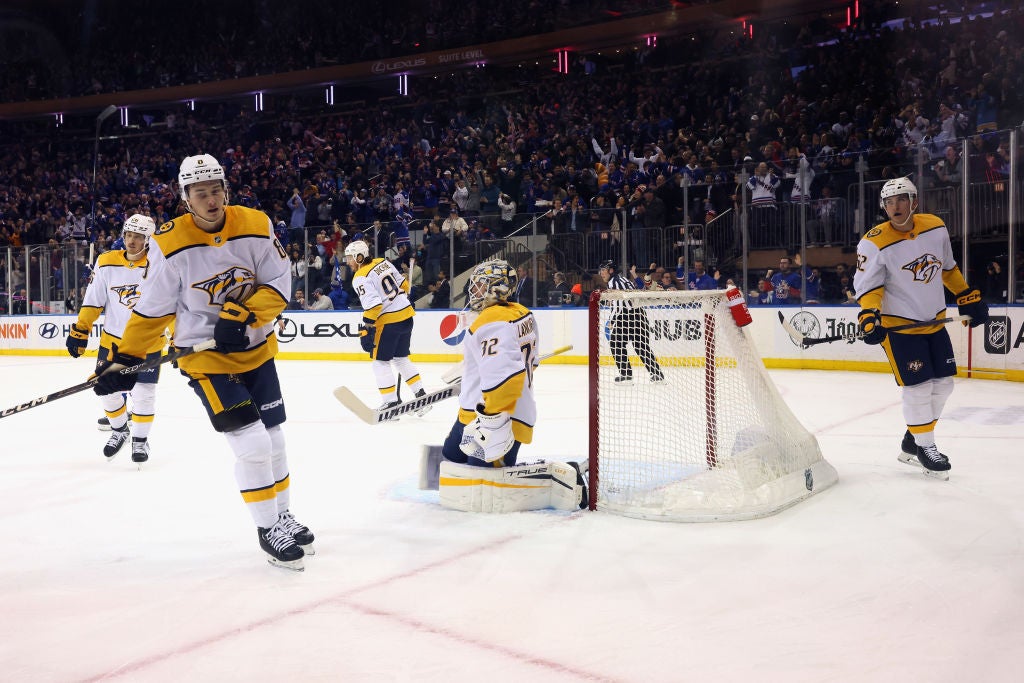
804	342
130	370
377	415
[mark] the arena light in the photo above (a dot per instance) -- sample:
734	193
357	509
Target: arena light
124	116
329	95
259	101
59	119
403	85
191	105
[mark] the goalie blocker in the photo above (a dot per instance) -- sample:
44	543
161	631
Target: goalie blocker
532	486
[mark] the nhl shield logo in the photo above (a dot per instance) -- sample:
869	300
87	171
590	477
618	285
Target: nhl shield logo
997	335
236	283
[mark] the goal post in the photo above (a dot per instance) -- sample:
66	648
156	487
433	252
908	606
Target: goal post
702	435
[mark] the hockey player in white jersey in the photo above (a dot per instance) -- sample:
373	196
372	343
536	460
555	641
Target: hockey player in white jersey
387	321
219	272
497	411
117	283
902	266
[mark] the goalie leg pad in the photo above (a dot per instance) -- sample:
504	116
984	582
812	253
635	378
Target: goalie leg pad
430	467
533	486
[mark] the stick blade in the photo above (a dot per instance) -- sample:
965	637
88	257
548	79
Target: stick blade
352	402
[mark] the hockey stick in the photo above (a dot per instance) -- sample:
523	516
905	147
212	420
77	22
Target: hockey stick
130	370
805	342
377	415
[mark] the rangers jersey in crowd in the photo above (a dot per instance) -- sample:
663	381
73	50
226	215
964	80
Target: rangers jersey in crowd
500	356
383	292
193	272
115	289
894	270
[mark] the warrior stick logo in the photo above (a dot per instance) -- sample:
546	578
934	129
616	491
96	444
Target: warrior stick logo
235	283
924	268
128	295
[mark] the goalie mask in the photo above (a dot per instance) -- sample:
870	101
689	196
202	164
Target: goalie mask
491	282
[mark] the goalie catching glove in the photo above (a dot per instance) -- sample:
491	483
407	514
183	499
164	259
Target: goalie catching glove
492	433
968	302
870	321
77	340
229	332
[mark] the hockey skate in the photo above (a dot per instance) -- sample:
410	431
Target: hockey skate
300	532
908	450
425	409
103	424
935	464
140	450
624	378
118	438
280	547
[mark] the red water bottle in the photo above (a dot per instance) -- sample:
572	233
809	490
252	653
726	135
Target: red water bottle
738	306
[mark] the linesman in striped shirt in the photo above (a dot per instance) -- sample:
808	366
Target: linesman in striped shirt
629	325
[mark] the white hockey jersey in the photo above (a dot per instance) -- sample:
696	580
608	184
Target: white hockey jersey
115	289
902	273
383	292
193	272
500	355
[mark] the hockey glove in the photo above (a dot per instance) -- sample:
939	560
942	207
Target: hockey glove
367	334
77	340
492	432
110	380
969	302
871	326
229	332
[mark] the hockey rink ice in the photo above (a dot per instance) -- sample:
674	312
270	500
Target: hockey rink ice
115	574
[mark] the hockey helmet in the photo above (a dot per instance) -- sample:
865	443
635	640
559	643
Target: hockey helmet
491	282
358	250
142	225
896	187
609	264
197	169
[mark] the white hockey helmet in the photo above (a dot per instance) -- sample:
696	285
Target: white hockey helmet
491	282
199	168
896	187
142	225
358	250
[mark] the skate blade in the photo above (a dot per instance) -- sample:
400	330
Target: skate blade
934	474
308	549
294	565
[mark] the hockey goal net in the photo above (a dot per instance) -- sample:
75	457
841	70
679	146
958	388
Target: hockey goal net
713	439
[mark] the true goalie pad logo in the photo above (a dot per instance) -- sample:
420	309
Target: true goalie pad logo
236	283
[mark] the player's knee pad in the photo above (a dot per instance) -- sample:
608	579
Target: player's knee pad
942	389
143	399
236	417
512	489
276	440
917	403
250	444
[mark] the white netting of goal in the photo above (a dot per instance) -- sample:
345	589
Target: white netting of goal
699	431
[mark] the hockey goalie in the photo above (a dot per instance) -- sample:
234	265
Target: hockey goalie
479	470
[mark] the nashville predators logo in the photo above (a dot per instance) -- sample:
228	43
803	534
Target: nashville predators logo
128	295
924	268
915	365
235	283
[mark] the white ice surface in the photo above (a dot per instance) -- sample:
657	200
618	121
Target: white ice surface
112	573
